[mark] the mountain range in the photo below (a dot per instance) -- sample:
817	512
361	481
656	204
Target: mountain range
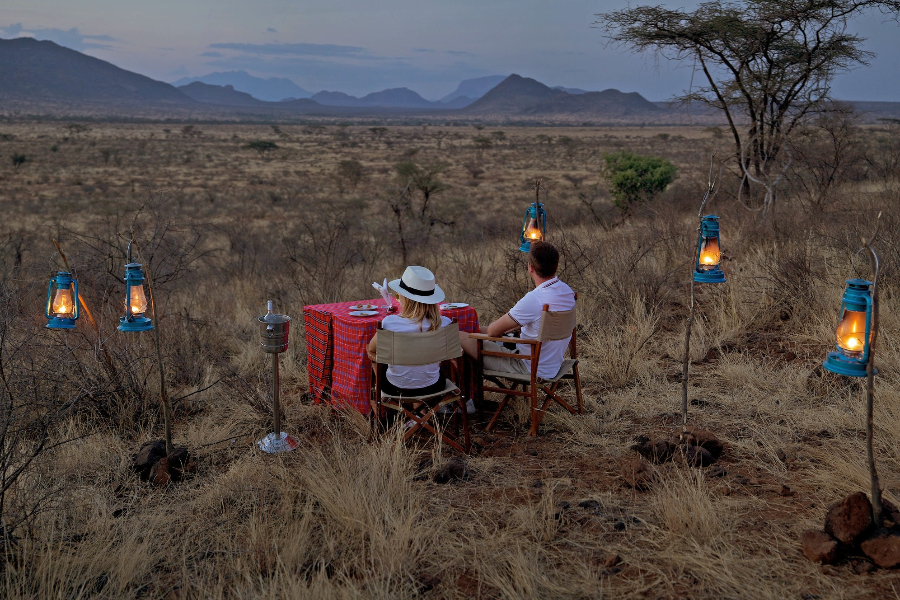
40	78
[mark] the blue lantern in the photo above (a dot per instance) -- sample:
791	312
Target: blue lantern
709	256
62	301
853	332
135	301
534	226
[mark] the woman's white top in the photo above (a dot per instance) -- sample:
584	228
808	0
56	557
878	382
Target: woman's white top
410	378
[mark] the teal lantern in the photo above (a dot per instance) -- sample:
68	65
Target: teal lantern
62	301
854	331
534	226
709	256
135	301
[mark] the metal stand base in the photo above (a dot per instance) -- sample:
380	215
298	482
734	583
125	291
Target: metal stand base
273	443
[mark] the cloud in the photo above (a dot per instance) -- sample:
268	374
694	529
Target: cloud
272	30
212	54
71	38
450	52
295	49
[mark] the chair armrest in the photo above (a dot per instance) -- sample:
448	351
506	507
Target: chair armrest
482	336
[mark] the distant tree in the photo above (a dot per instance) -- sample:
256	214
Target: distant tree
378	131
348	172
424	179
478	126
18	160
499	136
191	131
77	128
635	178
261	146
482	143
439	135
474	169
768	65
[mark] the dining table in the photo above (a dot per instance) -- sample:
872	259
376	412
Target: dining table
340	372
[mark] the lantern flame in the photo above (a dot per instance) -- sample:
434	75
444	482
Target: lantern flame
138	300
533	231
710	256
63	305
851	332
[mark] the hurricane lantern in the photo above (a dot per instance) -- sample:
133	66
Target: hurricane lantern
135	301
854	331
62	301
534	226
709	256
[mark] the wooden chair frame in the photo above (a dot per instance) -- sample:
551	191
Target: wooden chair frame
532	388
421	410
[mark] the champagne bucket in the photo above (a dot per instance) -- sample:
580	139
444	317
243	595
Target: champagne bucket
273	333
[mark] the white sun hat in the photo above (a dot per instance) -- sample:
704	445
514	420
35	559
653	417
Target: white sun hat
417	284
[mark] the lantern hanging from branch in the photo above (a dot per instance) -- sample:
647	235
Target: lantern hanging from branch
62	301
709	255
854	331
534	225
135	301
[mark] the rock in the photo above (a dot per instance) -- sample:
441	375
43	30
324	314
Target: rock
638	473
848	519
147	456
703	438
619	526
610	559
656	451
179	463
694	456
453	470
786	491
883	547
889	513
159	474
589	504
818	546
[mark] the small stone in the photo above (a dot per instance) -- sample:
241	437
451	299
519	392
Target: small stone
159	474
148	455
589	504
848	519
563	505
861	567
537	484
781	455
786	491
656	451
610	559
453	470
818	546
533	452
789	356
741	480
716	471
883	547
619	526
694	456
638	473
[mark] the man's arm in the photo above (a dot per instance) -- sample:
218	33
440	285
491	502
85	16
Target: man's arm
501	326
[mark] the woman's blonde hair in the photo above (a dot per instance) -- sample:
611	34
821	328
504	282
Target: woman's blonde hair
417	311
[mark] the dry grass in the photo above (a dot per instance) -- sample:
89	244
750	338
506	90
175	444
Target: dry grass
346	517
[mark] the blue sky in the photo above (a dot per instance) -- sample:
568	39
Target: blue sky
361	46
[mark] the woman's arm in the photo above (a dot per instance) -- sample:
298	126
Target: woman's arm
370	348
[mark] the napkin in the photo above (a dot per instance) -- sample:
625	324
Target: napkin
384	291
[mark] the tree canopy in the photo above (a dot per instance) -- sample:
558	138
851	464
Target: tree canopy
768	65
635	178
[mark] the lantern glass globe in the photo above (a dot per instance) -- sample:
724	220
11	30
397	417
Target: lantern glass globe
851	332
63	305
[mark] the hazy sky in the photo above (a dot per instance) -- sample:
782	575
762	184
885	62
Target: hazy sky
361	46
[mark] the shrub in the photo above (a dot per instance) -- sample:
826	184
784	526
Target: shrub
262	146
635	178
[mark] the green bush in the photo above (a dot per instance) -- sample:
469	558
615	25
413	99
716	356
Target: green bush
635	178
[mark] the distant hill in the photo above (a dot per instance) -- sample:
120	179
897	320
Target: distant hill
273	89
392	98
522	96
473	89
514	95
33	71
570	90
217	94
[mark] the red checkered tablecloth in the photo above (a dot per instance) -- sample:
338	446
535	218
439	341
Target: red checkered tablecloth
339	369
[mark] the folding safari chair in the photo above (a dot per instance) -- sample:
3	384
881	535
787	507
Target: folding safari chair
555	325
416	349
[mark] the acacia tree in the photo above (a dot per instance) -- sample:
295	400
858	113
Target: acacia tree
768	64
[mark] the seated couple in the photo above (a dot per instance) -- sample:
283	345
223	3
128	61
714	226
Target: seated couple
419	299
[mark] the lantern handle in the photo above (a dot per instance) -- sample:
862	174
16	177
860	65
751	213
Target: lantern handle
874	263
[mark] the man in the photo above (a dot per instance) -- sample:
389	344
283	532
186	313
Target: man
543	261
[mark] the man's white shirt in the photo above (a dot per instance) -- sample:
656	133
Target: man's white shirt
527	313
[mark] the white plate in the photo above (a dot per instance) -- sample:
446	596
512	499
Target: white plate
452	305
364	307
363	313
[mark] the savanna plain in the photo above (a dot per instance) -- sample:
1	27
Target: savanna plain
227	216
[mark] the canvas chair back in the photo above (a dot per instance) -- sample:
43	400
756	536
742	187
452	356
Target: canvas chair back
419	348
556	325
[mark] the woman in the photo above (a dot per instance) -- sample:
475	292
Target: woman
419	299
